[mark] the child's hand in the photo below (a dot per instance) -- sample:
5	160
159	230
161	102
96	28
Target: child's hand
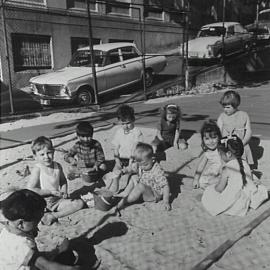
64	195
167	206
63	246
182	146
196	183
56	193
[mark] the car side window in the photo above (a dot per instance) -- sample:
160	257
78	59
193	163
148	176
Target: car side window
129	53
113	57
230	31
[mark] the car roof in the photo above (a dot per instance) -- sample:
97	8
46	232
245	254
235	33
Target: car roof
108	46
264	11
220	24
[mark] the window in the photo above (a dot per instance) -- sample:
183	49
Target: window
121	8
153	13
42	2
80	42
81	4
129	53
31	52
112	40
113	57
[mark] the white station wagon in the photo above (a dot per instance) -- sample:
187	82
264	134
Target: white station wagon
208	43
117	65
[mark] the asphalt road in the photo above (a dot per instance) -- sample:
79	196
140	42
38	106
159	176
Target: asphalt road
196	109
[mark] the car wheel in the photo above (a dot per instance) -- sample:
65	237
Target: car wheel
149	78
85	97
219	57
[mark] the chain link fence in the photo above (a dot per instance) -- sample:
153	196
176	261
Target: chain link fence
38	39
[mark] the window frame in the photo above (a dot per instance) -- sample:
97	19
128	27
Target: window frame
18	38
153	9
114	4
82	8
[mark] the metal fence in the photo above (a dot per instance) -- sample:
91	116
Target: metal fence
33	36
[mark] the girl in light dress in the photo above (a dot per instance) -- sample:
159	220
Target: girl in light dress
209	166
235	122
235	192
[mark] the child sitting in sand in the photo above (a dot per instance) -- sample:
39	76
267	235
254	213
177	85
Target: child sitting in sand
235	192
48	180
124	142
86	156
210	163
168	131
151	185
23	210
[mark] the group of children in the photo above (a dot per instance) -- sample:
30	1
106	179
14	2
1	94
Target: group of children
223	172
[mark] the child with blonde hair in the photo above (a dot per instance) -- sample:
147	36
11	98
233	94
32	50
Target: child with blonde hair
235	192
235	122
209	165
151	183
48	180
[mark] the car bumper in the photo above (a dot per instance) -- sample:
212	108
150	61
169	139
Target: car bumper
49	100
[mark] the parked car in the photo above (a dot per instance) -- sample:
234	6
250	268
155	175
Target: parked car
261	28
208	44
117	65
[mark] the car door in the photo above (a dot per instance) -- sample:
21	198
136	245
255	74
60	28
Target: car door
114	70
230	41
131	63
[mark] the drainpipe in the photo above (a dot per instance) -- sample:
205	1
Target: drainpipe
7	58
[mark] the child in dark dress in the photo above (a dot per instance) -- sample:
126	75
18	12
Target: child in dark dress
168	130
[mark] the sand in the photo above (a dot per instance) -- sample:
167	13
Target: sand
146	237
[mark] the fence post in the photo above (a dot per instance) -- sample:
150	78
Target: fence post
7	57
186	54
92	52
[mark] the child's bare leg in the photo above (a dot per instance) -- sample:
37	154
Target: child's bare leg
132	181
138	191
65	208
114	185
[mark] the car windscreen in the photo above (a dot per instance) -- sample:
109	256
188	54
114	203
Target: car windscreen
265	16
211	31
82	58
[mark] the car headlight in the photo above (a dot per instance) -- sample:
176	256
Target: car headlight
64	91
209	50
33	88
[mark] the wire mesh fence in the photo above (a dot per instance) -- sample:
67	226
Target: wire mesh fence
38	39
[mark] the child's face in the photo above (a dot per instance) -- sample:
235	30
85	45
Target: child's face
127	126
210	140
146	164
45	156
229	109
170	116
225	156
85	139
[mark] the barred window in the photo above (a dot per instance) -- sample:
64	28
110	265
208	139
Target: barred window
80	42
153	13
31	52
121	8
81	4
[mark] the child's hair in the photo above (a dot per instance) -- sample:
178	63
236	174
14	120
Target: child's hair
230	98
143	150
173	109
125	113
22	204
41	142
235	145
212	129
84	128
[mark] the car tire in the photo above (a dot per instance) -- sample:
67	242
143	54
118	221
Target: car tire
247	47
85	96
219	57
149	77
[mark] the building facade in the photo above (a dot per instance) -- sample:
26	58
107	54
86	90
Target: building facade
40	35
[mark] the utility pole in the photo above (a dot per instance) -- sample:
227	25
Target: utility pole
7	57
186	54
92	55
